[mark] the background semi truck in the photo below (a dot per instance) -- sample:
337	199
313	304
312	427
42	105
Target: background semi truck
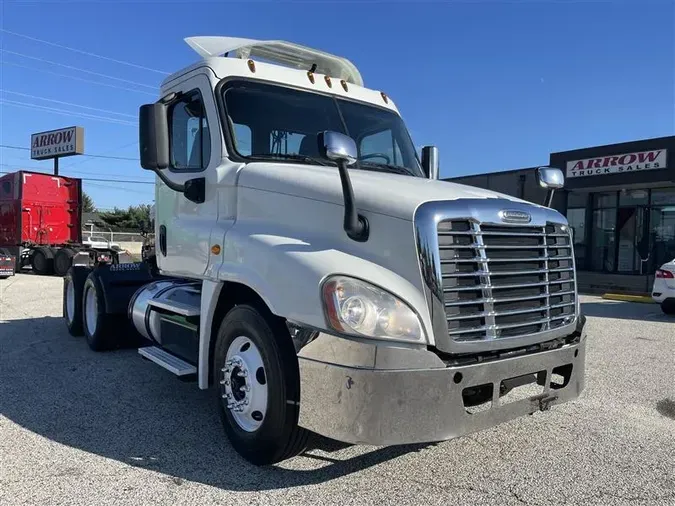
309	268
41	223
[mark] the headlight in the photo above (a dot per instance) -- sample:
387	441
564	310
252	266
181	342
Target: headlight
358	308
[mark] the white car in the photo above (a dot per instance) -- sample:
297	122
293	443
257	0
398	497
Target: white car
664	287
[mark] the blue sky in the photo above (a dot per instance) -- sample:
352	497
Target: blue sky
496	85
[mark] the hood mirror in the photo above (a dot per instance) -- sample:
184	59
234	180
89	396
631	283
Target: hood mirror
341	149
338	147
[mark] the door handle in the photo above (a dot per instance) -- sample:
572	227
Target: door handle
162	240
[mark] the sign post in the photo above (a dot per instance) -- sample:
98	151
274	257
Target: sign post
56	144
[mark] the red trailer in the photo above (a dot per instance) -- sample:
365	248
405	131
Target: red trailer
41	221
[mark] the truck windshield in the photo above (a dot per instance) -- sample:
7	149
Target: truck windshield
269	121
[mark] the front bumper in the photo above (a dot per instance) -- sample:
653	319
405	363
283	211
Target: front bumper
382	395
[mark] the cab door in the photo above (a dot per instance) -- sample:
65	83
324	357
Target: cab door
183	227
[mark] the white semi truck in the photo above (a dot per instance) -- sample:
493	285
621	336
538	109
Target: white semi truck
313	272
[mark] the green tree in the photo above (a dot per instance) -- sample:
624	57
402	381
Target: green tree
87	204
132	219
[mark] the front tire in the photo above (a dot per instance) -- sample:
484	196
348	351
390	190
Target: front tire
255	371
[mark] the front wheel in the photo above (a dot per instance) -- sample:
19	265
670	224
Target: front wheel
256	374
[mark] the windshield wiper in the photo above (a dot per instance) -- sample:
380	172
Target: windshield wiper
387	167
290	156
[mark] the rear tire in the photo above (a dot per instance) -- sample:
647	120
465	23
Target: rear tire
42	261
99	327
272	434
668	307
63	259
73	285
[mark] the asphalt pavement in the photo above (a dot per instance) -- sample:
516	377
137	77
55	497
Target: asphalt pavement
84	428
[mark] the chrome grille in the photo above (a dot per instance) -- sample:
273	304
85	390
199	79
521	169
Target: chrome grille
505	281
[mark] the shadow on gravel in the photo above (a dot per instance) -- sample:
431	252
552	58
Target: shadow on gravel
121	407
625	311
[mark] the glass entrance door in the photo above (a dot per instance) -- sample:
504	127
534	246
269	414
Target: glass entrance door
630	224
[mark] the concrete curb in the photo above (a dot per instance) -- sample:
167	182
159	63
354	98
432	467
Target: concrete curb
644	299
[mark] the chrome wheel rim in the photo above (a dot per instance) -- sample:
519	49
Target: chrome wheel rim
70	301
90	310
244	384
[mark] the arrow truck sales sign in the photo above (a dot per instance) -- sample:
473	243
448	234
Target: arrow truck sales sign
57	143
618	164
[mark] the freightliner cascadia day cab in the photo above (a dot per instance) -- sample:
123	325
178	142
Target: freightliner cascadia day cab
312	271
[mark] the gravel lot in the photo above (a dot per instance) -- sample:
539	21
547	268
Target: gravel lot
80	428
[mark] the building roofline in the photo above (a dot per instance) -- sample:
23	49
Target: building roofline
667	138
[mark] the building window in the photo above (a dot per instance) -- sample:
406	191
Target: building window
663	196
662	227
632	232
602	200
634	198
576	217
604	246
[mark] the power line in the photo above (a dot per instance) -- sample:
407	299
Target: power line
77	78
8	146
94	178
50	62
66	112
114	150
121	62
37	168
67	103
141	192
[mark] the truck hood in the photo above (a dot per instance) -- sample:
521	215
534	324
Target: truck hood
377	192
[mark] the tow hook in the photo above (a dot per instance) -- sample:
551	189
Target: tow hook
544	401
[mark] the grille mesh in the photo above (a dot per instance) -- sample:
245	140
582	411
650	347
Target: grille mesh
505	281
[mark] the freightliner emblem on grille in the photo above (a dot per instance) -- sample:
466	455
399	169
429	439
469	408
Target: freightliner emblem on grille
514	216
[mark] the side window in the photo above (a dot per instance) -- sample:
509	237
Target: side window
282	142
381	147
243	138
190	139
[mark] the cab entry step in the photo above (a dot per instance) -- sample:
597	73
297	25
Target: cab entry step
170	362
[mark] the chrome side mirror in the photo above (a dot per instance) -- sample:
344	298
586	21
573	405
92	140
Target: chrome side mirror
430	162
337	147
552	179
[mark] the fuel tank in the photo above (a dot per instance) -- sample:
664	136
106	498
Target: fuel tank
165	308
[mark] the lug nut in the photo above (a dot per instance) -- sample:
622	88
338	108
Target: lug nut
242	374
